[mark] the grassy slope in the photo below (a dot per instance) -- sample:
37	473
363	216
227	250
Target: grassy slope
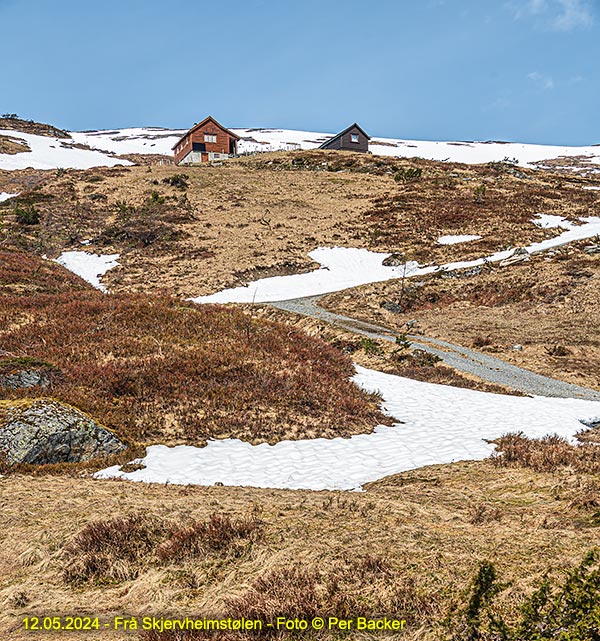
408	546
157	369
260	216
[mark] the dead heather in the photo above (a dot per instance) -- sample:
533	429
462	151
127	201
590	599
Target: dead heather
409	546
156	369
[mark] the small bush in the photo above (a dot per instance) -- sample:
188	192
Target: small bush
180	181
110	551
219	534
408	174
567	610
27	215
371	347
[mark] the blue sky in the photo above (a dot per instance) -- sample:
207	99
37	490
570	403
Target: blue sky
519	70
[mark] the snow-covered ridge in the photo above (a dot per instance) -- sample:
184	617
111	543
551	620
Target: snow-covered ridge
48	153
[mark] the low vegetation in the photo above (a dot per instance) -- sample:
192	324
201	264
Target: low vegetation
158	369
115	550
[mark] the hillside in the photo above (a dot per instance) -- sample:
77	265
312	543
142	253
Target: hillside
146	294
154	369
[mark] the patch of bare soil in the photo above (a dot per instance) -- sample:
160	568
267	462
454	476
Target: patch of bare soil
542	315
10	145
408	547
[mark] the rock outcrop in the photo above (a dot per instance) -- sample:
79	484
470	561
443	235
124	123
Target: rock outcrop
46	431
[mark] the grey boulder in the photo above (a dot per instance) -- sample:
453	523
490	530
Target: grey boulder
42	431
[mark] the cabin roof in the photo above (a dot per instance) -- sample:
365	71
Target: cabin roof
352	126
201	124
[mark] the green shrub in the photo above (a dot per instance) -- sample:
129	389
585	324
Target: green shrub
408	174
567	610
27	215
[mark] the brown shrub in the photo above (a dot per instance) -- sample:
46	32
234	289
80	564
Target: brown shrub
368	586
154	368
219	534
111	551
547	454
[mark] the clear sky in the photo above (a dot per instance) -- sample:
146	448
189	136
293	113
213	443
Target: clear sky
518	70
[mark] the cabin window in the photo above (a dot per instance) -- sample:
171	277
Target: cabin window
210	138
353	137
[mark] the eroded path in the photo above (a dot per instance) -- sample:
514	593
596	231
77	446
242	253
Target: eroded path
485	367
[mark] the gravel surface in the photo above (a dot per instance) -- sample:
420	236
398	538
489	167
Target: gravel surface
485	367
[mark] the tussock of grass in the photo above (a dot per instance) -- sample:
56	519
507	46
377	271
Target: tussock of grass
547	454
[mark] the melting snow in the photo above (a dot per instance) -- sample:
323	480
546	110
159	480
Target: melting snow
342	268
441	424
90	267
549	221
453	240
52	153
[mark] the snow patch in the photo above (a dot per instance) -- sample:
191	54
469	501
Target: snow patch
549	221
342	268
90	267
454	240
5	196
441	424
52	153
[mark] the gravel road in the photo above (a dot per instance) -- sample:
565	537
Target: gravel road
487	368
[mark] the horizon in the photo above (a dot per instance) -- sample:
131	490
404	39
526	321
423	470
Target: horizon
516	71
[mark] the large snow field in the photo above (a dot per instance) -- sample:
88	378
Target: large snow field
440	424
49	153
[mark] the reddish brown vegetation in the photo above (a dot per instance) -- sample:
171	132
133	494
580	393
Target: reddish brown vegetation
159	369
547	454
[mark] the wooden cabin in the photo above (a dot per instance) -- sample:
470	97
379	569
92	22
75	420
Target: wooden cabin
204	142
353	138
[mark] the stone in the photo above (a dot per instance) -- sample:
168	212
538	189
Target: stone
394	308
519	255
25	378
394	260
40	431
592	249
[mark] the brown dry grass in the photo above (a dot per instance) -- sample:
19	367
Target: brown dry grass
549	306
410	544
10	145
157	369
259	216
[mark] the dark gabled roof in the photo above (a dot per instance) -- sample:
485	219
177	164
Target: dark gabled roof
201	124
352	126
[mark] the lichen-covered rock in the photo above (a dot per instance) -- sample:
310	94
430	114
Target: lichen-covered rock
46	431
24	378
